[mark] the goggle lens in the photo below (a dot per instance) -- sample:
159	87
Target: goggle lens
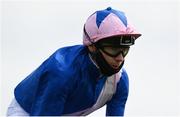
115	51
113	46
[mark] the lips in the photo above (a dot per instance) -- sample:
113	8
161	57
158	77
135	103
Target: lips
115	66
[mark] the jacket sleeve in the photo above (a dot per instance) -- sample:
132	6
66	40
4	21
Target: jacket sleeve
116	106
53	91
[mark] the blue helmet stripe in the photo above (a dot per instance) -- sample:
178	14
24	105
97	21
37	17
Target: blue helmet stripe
101	15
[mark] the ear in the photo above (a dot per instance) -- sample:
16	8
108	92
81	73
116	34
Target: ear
92	48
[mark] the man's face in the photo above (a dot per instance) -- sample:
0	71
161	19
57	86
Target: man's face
113	61
114	49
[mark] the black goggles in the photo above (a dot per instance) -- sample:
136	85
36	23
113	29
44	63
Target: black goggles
114	46
115	51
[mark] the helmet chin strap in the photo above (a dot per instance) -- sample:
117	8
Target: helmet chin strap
105	68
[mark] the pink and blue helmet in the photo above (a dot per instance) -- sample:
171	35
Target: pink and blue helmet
107	23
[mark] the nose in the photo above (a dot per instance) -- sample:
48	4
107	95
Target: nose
119	58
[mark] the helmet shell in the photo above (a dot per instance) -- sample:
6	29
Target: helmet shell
107	23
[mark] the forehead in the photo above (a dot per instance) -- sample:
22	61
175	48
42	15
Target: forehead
117	41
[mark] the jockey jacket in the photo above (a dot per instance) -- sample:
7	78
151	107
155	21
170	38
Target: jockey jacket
69	83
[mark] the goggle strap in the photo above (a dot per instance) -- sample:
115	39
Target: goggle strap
123	41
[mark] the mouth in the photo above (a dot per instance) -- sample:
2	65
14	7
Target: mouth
115	66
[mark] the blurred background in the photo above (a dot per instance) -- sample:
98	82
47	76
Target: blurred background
31	30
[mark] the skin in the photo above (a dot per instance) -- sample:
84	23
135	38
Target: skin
114	62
